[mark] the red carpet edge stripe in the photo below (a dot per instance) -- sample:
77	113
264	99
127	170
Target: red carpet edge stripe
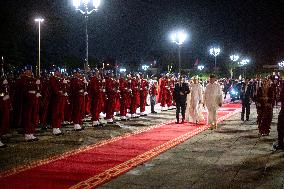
109	174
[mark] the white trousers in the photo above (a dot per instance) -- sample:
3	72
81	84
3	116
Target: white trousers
212	115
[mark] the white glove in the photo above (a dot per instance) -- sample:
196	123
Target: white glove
5	82
65	81
85	93
104	90
6	97
38	95
65	94
38	82
85	81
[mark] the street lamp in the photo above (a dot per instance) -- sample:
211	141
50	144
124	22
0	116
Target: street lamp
145	67
243	63
201	67
215	51
86	7
39	21
281	64
234	58
179	37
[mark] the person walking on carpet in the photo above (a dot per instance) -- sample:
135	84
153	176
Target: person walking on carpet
213	99
193	105
180	95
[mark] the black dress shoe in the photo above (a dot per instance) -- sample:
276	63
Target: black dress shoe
278	147
58	134
154	112
35	139
4	146
123	119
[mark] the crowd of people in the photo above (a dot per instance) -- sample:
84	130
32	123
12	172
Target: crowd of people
52	100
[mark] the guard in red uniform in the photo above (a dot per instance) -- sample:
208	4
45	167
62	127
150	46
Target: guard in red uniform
170	89
44	105
111	93
5	106
29	87
143	95
57	102
96	95
124	98
162	94
153	95
135	96
77	88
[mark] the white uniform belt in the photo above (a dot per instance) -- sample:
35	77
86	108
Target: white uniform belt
81	91
2	94
32	92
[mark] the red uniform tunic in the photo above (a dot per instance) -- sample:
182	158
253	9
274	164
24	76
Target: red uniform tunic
30	106
143	94
97	96
57	101
5	106
170	88
77	87
135	96
124	97
44	105
111	94
162	90
68	102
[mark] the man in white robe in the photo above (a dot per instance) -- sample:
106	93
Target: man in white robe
213	99
194	99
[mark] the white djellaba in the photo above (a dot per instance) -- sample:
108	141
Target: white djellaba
213	99
194	106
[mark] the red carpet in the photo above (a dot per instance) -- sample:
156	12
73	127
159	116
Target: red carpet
94	165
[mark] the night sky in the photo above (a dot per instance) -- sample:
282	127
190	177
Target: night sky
138	30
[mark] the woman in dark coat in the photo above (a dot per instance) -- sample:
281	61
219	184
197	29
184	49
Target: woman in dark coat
264	99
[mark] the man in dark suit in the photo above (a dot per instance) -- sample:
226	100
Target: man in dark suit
246	96
180	95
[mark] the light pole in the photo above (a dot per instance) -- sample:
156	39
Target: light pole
234	58
39	20
243	63
281	64
215	51
179	38
83	6
200	67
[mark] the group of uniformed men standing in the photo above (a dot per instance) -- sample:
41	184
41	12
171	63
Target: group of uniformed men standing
27	102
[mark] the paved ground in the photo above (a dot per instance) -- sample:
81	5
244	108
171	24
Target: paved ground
233	156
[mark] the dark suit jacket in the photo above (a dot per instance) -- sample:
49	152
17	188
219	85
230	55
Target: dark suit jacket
248	94
184	88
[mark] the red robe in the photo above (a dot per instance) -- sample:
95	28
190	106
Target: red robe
77	88
111	94
135	98
29	106
143	94
97	97
124	97
57	101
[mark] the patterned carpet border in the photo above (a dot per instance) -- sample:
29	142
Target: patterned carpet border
109	174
